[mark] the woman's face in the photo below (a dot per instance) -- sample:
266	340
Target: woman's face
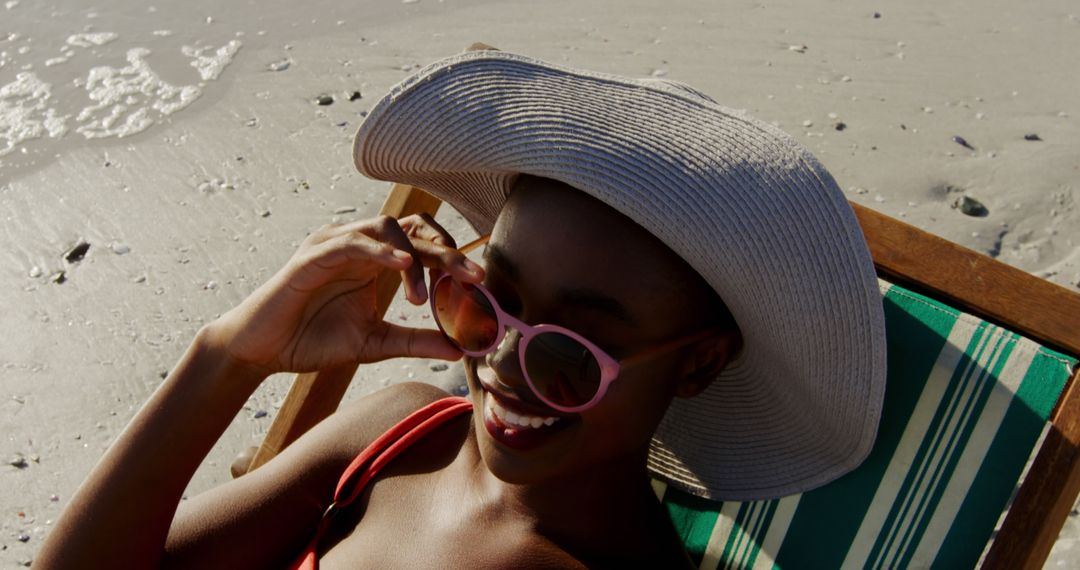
561	257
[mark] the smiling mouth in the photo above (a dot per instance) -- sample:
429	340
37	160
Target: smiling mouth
511	426
515	419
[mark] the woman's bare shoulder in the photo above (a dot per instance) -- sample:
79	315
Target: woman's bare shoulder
359	422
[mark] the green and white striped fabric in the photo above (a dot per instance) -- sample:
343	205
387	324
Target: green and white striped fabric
965	404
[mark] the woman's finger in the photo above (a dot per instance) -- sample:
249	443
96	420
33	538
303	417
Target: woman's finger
387	229
449	260
437	248
425	227
324	262
420	343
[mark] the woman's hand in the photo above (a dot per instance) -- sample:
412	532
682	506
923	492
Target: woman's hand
319	311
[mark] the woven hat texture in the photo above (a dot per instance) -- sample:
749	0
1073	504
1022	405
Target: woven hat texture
743	203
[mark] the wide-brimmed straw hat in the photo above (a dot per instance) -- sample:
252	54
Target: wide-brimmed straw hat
743	203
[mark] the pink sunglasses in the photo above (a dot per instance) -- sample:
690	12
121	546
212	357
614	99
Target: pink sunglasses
563	369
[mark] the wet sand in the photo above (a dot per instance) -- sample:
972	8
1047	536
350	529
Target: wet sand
187	216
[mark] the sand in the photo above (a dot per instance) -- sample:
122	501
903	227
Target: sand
218	159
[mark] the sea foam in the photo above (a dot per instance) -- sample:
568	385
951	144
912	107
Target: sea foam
25	113
123	100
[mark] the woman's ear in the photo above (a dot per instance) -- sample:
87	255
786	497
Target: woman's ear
704	362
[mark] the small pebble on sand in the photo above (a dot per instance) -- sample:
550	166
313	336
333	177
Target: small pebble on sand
971	207
439	367
18	461
280	65
324	100
962	142
355	95
119	248
1032	137
77	253
36	272
798	48
259	414
345	210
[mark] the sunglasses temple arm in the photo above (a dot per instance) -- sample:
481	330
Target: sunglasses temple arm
475	243
665	347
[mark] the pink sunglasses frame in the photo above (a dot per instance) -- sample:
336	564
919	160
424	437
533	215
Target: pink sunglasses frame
609	366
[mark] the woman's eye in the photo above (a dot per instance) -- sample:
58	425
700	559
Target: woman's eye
508	302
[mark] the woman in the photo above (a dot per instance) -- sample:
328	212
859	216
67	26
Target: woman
716	325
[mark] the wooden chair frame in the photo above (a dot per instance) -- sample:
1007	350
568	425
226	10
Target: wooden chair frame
904	255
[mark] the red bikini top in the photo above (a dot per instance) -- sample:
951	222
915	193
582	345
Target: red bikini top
375	457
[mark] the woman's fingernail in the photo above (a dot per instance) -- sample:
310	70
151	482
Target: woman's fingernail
401	254
472	267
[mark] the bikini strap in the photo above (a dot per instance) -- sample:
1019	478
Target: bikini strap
394	441
376	456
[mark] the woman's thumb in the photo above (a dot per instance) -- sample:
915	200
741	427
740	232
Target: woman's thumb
418	343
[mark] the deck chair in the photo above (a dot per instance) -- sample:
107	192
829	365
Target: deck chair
982	375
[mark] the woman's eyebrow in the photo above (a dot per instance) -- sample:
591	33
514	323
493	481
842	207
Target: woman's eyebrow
586	298
498	258
597	301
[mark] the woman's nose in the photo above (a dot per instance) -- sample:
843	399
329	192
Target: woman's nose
506	364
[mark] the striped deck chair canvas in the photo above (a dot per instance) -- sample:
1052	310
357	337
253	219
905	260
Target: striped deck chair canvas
965	404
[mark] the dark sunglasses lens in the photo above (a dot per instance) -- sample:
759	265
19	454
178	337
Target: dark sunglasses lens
465	315
562	369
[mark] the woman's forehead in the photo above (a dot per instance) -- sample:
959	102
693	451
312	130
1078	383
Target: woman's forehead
553	233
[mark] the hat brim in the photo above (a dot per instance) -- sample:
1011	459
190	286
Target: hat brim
744	204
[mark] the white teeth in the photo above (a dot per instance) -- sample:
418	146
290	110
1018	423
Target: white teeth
519	420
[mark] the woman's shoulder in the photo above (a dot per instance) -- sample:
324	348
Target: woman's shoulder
359	422
394	401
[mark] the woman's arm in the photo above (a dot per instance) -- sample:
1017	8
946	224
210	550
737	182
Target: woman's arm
121	514
316	313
